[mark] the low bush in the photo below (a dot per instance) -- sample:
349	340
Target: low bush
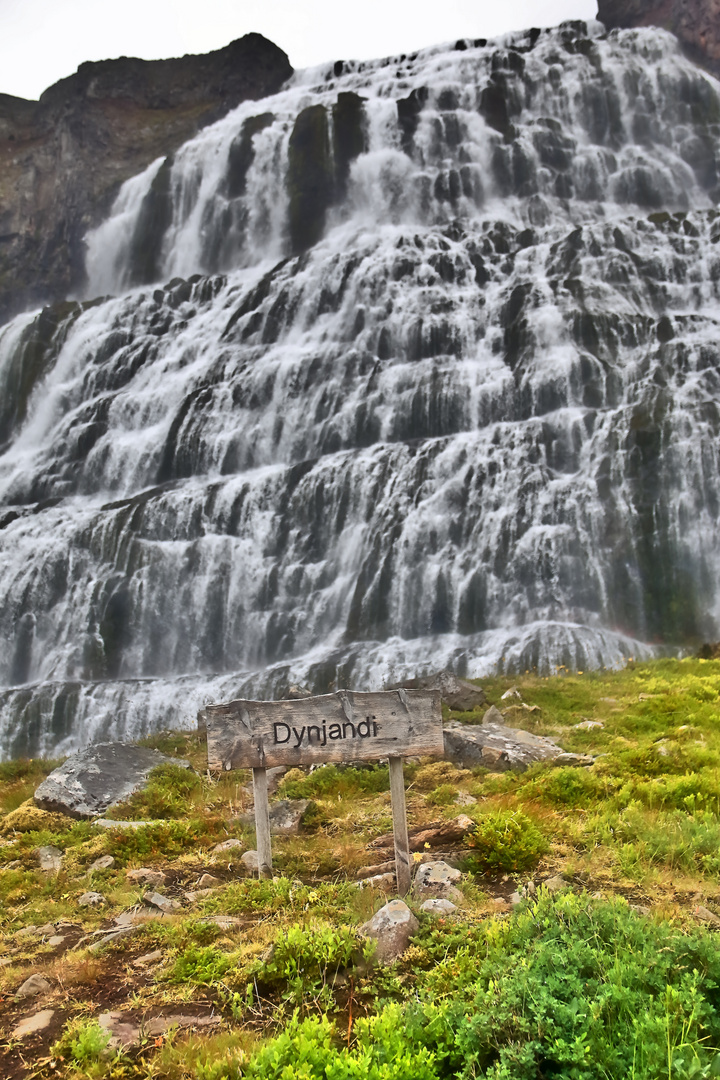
331	781
506	840
303	965
170	793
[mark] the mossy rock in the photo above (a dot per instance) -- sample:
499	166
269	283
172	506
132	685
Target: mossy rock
30	818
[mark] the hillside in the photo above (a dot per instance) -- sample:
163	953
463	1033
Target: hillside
611	968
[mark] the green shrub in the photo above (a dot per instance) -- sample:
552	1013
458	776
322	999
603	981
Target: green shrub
565	787
202	965
169	793
506	840
83	1041
326	899
304	963
443	795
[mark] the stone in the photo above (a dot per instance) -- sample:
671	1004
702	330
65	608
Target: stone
123	1031
250	861
574	760
94	779
513	694
286	816
31	1025
144	875
457	693
159	1025
226	845
207	881
463	798
436	880
496	746
556	884
296	692
34	985
378	881
193	895
91	899
108	823
438	907
224	922
56	940
163	903
391	927
149	958
105	862
113	935
50	858
705	915
589	725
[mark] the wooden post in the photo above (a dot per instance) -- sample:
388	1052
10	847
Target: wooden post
262	823
400	830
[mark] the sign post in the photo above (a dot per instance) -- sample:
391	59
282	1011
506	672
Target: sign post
333	728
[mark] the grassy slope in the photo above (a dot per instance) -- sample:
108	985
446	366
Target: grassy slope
639	828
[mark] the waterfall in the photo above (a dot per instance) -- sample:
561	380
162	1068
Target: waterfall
414	364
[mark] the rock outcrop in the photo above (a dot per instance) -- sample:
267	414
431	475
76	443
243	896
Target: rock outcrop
696	23
64	157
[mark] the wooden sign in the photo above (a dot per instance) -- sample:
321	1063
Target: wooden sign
342	727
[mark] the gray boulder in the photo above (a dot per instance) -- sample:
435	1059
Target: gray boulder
457	693
391	927
495	746
437	880
97	777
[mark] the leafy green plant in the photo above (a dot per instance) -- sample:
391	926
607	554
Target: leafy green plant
304	963
202	965
169	793
506	840
331	781
83	1041
443	795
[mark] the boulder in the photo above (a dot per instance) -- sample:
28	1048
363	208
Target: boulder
250	861
495	746
391	927
95	778
436	880
457	693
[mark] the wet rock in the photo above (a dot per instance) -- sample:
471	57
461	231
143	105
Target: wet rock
457	693
145	876
123	1031
496	746
91	899
31	1025
34	985
91	781
310	177
437	880
50	858
391	927
162	903
438	907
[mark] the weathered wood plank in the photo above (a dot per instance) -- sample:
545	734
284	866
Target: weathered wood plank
262	823
400	829
342	727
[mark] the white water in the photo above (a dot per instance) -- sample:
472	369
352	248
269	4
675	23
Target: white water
475	426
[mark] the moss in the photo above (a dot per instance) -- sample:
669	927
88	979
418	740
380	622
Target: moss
30	818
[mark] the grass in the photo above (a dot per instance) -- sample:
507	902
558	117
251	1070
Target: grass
508	996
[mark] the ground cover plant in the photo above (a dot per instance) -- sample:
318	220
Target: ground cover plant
611	970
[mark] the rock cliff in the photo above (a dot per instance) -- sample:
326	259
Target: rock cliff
63	158
696	23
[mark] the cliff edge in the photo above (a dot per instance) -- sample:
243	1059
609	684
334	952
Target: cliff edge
64	157
696	23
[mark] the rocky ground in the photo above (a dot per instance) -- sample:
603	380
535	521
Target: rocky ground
145	946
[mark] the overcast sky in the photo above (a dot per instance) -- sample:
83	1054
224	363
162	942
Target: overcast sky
42	41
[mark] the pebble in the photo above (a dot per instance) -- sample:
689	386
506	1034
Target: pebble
207	881
556	884
226	845
105	862
164	903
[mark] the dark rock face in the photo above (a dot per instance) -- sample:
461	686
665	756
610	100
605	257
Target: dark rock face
696	23
94	779
63	158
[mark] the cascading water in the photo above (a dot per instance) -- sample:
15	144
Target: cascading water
434	381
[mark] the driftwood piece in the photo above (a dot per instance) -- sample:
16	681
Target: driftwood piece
342	727
436	834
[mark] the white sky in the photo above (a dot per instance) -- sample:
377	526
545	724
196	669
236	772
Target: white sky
42	41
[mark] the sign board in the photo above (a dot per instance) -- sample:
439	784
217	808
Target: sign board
342	727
